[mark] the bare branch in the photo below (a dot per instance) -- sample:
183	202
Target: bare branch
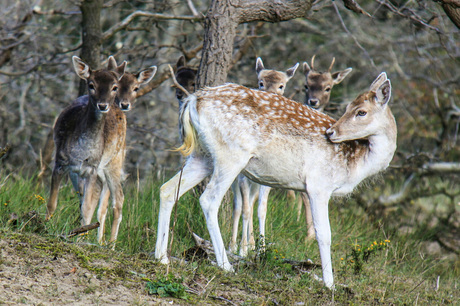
355	7
192	8
352	36
442	167
125	22
407	13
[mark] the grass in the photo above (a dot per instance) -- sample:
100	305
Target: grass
399	272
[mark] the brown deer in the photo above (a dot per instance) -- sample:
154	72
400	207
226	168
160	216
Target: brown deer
244	190
318	85
90	144
128	88
185	76
278	142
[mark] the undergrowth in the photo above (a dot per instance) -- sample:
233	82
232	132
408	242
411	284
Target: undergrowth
373	262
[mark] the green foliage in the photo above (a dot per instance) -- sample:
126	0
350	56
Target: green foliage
167	286
360	254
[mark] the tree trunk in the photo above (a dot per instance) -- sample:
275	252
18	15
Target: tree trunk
91	36
222	20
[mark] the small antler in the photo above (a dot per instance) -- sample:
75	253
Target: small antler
332	64
313	62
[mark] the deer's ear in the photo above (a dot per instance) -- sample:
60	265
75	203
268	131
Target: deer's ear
180	62
383	93
338	76
146	75
120	70
378	81
306	68
291	71
112	63
82	70
259	65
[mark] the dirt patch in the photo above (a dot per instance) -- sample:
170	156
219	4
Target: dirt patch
45	274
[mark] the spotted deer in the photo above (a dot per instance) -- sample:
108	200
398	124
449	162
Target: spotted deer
277	142
246	191
90	145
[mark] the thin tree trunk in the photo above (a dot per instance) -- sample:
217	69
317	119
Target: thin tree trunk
91	36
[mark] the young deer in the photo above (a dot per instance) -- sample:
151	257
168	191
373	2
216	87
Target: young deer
246	191
90	145
274	141
318	85
185	76
128	88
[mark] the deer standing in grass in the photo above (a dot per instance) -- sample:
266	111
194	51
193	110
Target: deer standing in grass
318	88
90	141
246	191
277	142
128	88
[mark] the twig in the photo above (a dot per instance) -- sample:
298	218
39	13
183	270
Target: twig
81	230
125	22
179	86
352	36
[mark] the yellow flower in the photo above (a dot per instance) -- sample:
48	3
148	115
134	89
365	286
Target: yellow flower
341	258
375	242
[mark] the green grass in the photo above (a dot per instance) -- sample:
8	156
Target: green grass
397	273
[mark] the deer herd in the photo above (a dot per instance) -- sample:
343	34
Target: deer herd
249	140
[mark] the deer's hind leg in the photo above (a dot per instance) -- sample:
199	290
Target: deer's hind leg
56	179
196	169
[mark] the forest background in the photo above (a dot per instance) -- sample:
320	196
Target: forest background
417	43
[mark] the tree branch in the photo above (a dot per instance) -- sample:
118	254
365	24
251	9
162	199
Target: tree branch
125	22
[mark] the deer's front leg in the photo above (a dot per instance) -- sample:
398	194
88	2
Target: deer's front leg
320	212
87	206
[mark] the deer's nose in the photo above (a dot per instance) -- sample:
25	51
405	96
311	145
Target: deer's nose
125	106
313	102
330	133
103	107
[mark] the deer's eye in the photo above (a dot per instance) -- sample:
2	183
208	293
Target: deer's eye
306	87
136	89
114	88
91	86
261	84
328	89
281	87
361	113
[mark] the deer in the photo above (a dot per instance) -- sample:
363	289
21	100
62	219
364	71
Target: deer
185	76
318	84
128	88
274	141
244	190
90	145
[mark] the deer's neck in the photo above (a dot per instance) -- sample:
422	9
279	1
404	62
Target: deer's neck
379	153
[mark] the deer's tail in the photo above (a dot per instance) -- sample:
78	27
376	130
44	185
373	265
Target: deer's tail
186	125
